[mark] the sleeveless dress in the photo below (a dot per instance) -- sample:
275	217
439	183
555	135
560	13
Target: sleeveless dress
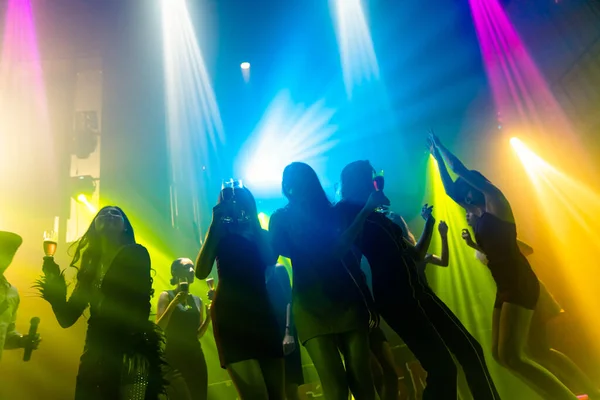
245	326
183	351
515	280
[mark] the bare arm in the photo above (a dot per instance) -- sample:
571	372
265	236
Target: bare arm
284	279
495	202
349	236
444	260
466	235
53	288
207	255
425	240
444	174
204	318
164	310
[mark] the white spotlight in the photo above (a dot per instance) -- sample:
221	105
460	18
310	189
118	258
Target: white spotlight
245	66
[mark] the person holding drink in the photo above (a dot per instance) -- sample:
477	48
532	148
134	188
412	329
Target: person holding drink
184	320
122	356
244	324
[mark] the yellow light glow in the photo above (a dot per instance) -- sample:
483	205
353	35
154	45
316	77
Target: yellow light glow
568	216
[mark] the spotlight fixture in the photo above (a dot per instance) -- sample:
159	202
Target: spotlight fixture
82	186
85	134
245	65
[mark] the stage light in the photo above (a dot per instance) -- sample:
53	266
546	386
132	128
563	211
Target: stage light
245	65
287	132
85	134
83	185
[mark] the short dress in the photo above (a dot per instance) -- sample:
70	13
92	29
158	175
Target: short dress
325	298
244	323
515	280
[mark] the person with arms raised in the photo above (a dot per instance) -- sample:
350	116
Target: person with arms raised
427	326
518	288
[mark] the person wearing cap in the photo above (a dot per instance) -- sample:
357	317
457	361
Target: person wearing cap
9	297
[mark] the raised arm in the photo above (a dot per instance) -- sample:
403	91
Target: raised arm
425	240
165	308
442	261
495	202
348	237
53	288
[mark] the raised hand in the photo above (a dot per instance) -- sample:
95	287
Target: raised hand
426	211
443	228
466	235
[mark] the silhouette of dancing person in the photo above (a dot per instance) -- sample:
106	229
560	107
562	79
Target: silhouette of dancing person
546	311
427	326
330	311
122	353
245	327
181	316
518	288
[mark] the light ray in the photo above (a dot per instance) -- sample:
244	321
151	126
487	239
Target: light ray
194	126
357	55
288	132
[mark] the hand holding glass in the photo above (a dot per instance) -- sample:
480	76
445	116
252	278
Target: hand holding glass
50	243
184	287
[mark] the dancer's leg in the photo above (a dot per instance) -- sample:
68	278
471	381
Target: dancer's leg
513	332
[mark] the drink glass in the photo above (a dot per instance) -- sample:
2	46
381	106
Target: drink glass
379	184
184	286
50	243
210	282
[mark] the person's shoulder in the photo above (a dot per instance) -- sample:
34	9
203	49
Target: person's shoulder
278	217
135	248
134	251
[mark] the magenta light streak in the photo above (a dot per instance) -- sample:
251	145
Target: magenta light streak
20	67
519	89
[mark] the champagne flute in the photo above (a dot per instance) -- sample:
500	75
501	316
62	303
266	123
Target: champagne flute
184	286
210	282
379	184
50	243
